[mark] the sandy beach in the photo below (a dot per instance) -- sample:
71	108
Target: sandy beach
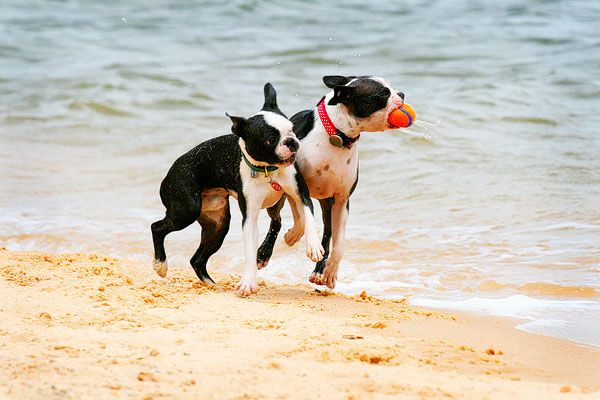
86	326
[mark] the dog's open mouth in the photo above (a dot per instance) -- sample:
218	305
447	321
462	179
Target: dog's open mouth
289	161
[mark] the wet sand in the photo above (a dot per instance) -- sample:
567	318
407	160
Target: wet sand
86	326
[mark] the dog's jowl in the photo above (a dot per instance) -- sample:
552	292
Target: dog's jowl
255	165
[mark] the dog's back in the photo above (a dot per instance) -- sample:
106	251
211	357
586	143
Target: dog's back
213	163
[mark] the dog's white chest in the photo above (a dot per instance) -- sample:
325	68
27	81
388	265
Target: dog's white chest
327	170
262	188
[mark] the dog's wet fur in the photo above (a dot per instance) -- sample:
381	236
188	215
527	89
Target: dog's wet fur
200	182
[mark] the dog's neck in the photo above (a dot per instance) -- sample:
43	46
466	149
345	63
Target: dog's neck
342	120
257	163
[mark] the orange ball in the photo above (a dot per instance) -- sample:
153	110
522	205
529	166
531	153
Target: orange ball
402	117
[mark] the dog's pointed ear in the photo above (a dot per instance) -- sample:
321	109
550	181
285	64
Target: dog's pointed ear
332	81
239	125
341	94
271	100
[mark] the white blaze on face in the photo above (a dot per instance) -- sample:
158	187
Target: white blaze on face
285	128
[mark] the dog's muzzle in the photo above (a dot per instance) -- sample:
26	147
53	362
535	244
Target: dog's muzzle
292	144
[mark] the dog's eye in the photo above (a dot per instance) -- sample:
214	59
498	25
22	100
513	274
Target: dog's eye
272	140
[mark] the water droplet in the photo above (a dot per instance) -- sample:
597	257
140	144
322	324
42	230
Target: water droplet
124	19
330	38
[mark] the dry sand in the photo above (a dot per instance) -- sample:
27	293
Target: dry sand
77	326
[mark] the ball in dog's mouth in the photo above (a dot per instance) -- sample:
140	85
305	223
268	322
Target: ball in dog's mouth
402	117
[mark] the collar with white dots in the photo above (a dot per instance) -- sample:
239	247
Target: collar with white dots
336	137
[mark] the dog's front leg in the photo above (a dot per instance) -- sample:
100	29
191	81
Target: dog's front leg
339	218
295	232
302	209
248	284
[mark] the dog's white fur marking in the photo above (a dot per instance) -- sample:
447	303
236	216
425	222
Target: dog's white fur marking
282	124
259	194
331	171
327	170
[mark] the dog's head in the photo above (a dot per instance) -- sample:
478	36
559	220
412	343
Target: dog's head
368	100
267	135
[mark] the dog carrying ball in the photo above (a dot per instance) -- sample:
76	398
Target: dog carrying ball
402	117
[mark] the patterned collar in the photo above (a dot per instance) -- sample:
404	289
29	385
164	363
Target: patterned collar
336	137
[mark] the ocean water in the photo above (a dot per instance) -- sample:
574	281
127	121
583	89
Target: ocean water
490	202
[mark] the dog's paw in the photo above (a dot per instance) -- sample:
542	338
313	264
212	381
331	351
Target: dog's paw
316	278
247	286
207	281
330	276
314	250
161	267
209	284
263	256
293	235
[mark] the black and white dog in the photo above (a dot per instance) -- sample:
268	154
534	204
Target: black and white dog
252	165
328	160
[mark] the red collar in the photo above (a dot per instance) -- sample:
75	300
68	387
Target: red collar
336	137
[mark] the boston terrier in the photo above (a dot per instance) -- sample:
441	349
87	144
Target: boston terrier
328	160
254	165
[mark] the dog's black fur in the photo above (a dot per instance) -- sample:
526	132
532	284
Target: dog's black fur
216	164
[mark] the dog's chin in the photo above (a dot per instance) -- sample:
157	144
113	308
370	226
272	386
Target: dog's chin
392	126
288	161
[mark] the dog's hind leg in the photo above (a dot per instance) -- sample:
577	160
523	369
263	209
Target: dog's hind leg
326	206
215	225
265	251
160	229
339	219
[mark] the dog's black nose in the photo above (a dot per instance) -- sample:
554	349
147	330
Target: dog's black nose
292	144
401	95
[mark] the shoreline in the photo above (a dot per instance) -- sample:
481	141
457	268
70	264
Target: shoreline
90	326
517	323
